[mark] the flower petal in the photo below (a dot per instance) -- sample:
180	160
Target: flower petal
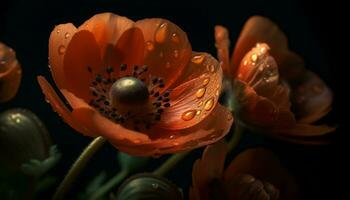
192	101
263	164
311	97
82	53
258	29
215	127
58	42
259	112
167	48
107	28
305	130
209	168
60	108
222	44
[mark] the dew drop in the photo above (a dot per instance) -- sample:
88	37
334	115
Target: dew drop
245	63
155	185
217	93
61	49
167	65
172	136
58	31
254	57
176	53
188	115
137	141
149	46
161	33
209	104
229	117
175	38
67	35
198	59
176	143
211	68
200	104
206	81
263	50
200	92
3	62
198	112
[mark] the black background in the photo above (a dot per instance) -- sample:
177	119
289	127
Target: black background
315	30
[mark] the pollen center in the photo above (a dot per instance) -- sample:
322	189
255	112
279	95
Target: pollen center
128	91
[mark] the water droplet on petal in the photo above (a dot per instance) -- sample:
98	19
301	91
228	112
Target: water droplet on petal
198	59
67	35
229	117
188	115
137	141
176	53
176	143
206	81
200	92
149	46
198	112
161	33
58	31
167	65
175	38
61	49
172	136
217	93
211	68
254	57
245	63
263	50
200	103
209	104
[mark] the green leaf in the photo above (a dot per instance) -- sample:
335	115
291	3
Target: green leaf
131	163
37	168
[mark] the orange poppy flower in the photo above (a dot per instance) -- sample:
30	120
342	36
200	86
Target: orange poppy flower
273	91
137	84
10	73
253	174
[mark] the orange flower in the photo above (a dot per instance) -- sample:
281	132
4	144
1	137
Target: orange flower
138	84
253	174
273	92
10	73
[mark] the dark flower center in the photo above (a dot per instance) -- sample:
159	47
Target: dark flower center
133	98
128	91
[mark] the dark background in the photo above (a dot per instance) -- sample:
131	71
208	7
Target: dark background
314	30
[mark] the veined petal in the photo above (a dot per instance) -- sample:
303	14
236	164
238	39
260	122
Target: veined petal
192	101
58	42
167	49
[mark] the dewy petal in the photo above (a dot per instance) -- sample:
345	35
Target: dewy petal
258	29
193	100
10	73
311	98
215	127
263	164
82	53
167	49
257	111
107	28
209	168
60	108
58	42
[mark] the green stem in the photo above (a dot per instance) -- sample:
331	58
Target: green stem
77	167
236	137
110	184
170	163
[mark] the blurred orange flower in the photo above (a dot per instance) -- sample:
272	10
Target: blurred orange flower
137	84
273	92
253	174
10	73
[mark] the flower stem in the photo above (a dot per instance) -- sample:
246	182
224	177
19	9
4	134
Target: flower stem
110	184
76	168
236	137
170	163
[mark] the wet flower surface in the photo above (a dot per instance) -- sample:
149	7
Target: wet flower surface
10	73
273	92
253	174
138	84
